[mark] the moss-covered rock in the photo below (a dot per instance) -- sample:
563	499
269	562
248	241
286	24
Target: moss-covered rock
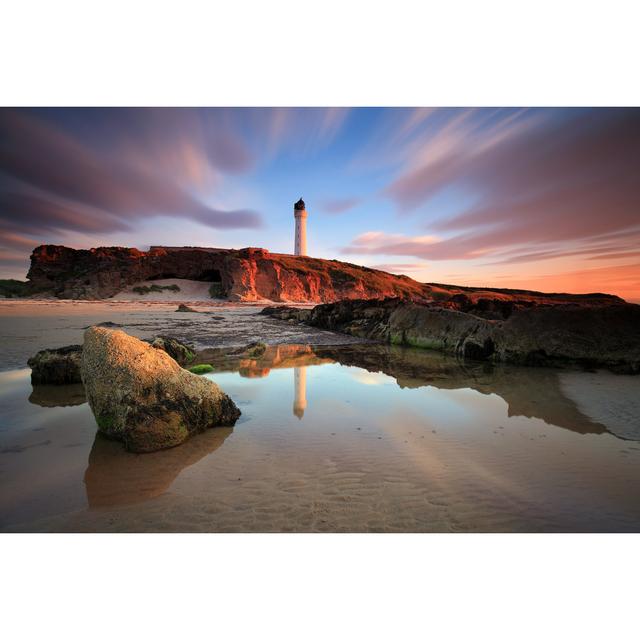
199	369
140	395
56	366
182	353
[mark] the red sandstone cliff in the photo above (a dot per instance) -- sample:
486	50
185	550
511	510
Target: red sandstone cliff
255	274
245	274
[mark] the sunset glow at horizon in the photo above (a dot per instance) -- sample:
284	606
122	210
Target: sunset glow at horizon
543	199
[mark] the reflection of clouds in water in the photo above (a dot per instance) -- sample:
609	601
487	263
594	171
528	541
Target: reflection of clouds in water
473	402
11	376
8	379
235	385
368	378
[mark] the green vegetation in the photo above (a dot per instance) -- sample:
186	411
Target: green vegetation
156	288
105	421
215	290
439	296
199	369
14	288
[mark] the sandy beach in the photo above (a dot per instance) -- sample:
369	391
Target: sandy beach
337	436
29	326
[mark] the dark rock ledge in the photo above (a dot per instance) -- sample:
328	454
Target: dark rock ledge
605	336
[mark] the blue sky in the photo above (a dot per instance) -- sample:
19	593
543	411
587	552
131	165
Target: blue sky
537	198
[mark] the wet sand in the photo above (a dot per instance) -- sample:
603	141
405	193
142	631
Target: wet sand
331	438
28	326
350	451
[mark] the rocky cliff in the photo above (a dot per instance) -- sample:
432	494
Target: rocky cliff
255	274
544	332
244	274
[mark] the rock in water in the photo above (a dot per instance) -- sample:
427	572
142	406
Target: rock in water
593	335
182	353
183	308
56	366
140	395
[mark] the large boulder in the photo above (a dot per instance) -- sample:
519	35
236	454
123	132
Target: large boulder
56	366
140	395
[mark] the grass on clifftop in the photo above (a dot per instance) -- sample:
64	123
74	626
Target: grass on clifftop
14	288
142	290
199	369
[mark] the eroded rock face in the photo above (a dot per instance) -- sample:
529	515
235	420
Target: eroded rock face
56	366
242	275
532	334
254	274
141	396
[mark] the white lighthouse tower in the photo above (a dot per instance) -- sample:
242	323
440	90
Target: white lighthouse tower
300	214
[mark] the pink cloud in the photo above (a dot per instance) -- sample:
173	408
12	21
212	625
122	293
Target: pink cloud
540	179
139	167
400	267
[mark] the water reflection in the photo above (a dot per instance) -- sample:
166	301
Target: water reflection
294	356
299	391
394	439
58	395
528	391
117	477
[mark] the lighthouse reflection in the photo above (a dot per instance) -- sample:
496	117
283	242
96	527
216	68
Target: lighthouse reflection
287	356
299	391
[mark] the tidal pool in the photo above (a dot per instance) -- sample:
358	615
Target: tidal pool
348	438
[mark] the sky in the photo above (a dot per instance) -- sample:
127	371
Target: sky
544	199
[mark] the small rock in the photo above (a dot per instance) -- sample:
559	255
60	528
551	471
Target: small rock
56	366
179	351
184	308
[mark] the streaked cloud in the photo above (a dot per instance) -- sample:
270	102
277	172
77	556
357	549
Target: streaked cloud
495	195
539	177
109	167
339	205
400	267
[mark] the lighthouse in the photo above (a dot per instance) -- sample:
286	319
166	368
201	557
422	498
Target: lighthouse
300	214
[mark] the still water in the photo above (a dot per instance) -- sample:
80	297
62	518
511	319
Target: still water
351	438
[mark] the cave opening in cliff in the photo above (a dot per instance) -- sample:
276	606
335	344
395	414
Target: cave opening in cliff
215	278
210	275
